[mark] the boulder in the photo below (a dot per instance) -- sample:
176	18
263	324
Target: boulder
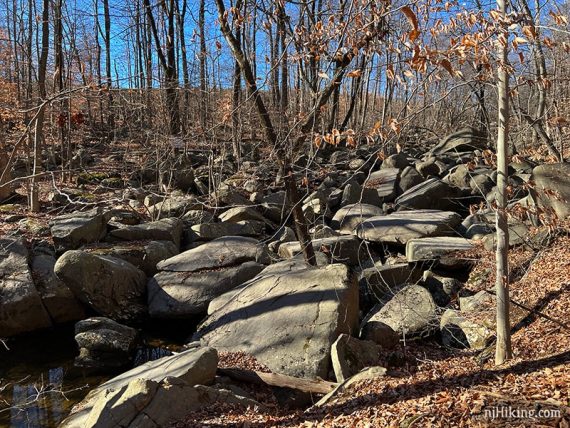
210	231
385	182
411	312
354	193
237	214
188	282
143	255
110	286
459	332
400	227
349	217
553	187
380	333
192	367
21	308
166	229
288	321
57	298
398	160
435	248
430	194
194	217
70	231
104	345
376	282
350	355
442	288
466	139
174	206
341	249
409	178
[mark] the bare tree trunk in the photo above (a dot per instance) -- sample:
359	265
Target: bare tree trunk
38	135
203	55
108	76
503	350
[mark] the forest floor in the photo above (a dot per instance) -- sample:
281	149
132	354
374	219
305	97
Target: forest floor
442	387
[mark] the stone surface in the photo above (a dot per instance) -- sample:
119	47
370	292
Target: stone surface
430	194
104	344
458	331
110	286
435	248
341	249
288	321
379	333
70	231
210	231
57	298
237	214
188	282
400	227
464	139
174	206
553	187
21	308
350	355
443	289
166	229
349	217
411	312
190	368
377	281
145	255
385	182
409	178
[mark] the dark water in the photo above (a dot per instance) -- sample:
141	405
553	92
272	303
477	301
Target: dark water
38	383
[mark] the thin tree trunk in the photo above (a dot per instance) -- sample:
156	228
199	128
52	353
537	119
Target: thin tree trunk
503	351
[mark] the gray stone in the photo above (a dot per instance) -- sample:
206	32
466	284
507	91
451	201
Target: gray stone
70	231
174	206
180	295
411	312
57	298
341	249
380	333
288	321
435	248
385	182
21	308
210	231
350	355
400	227
431	194
477	302
192	367
458	331
442	288
145	255
166	229
194	217
552	189
428	167
466	139
349	217
112	287
238	214
104	344
398	160
380	280
409	178
366	374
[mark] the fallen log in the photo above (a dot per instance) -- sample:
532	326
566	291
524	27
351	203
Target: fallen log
315	386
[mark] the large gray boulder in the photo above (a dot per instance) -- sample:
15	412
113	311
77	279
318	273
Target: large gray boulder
70	231
143	255
166	229
553	187
348	217
385	182
21	308
288	321
57	298
104	344
400	227
188	282
430	194
340	249
411	312
192	367
465	139
210	231
436	247
110	286
350	355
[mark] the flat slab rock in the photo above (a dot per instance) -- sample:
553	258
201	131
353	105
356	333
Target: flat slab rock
434	248
193	367
400	227
287	321
349	217
342	249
